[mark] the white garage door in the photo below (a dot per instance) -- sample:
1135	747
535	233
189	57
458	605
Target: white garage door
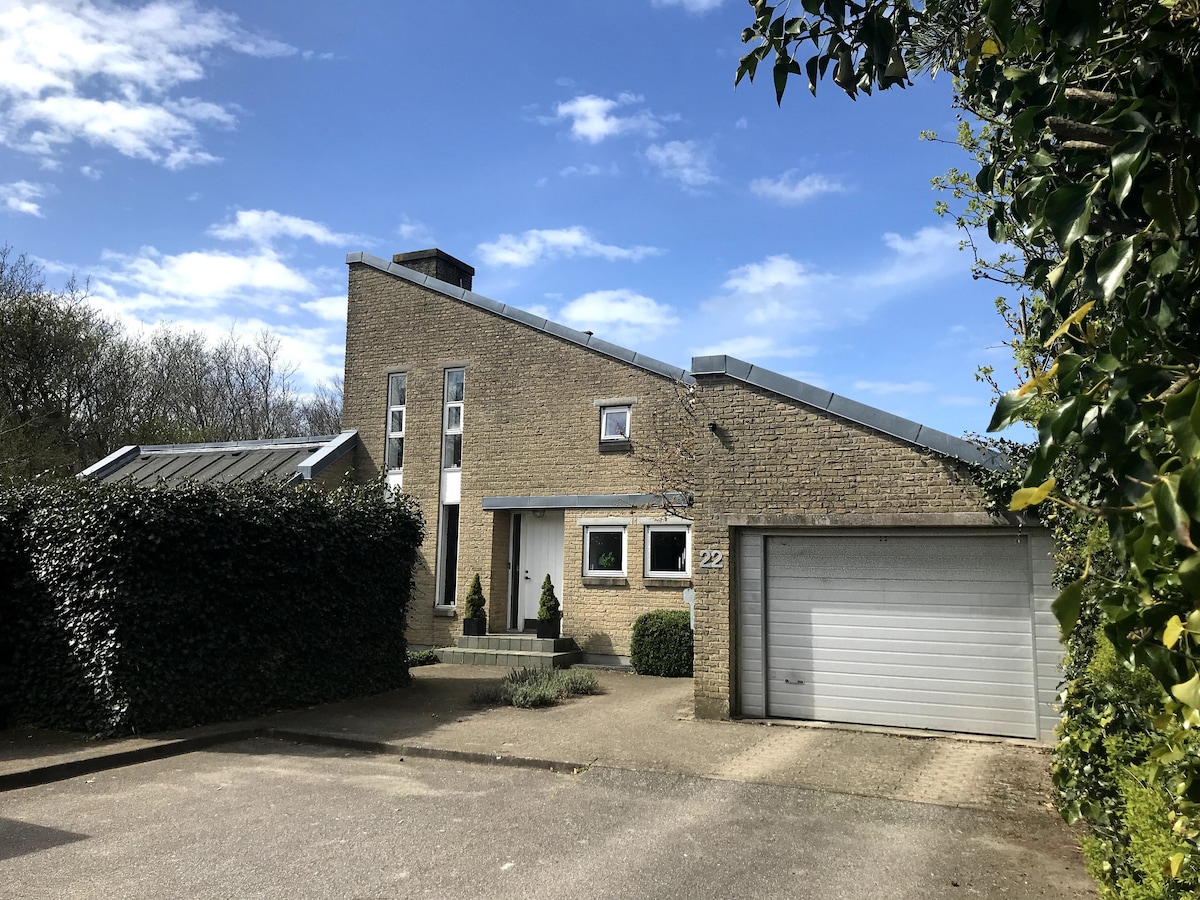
921	631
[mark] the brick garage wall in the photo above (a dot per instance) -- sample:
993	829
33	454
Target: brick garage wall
530	428
769	460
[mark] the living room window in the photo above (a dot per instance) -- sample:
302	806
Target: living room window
614	423
397	397
452	419
604	550
668	551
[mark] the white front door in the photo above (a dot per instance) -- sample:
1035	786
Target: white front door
539	552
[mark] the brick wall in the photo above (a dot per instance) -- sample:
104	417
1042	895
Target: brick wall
769	460
530	428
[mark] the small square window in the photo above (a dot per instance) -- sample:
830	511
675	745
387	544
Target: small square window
604	550
668	551
614	423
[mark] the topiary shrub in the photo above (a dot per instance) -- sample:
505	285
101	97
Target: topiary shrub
474	604
662	644
548	607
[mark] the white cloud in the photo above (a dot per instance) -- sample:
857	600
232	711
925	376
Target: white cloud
788	294
692	6
150	280
415	233
21	197
685	161
741	124
535	245
263	226
91	172
107	74
621	315
589	170
791	190
592	118
754	347
331	309
893	387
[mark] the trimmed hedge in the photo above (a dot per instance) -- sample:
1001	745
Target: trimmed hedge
1107	746
662	643
138	609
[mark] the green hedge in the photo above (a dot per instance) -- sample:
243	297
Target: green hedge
1107	746
662	643
138	609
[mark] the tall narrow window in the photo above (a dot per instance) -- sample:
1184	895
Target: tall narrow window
448	550
452	420
397	395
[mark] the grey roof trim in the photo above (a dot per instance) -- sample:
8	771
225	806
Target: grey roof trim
264	444
584	501
321	459
905	429
522	317
110	463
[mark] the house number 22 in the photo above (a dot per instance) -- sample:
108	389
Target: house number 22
712	559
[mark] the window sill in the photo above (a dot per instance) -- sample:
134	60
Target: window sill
605	581
616	446
672	581
445	612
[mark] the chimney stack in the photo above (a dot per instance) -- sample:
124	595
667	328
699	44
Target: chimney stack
439	265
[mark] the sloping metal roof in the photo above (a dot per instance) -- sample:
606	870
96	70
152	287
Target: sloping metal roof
527	319
290	460
905	429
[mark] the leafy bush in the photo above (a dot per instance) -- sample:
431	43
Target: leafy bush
422	658
662	643
1107	753
137	609
475	603
530	688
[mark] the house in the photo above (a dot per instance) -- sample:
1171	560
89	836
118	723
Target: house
839	559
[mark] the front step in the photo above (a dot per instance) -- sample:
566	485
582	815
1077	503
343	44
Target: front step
514	651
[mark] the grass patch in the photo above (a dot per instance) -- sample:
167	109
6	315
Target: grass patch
532	688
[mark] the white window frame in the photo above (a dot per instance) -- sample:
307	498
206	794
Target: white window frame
605	412
687	559
448	405
391	435
623	530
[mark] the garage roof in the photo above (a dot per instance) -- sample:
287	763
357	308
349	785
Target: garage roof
291	460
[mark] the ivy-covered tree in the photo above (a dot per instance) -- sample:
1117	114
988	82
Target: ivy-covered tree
1089	156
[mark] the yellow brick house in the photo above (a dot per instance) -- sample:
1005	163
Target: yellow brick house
839	560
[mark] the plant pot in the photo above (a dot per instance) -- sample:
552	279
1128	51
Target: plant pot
475	627
548	628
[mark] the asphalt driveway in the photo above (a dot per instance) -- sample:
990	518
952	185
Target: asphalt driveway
419	792
266	818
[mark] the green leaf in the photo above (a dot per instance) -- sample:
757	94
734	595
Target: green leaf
1069	212
1188	692
780	73
1180	412
1128	159
1171	517
1112	264
1066	606
1189	575
1008	409
1165	263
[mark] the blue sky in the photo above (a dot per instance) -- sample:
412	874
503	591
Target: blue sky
211	165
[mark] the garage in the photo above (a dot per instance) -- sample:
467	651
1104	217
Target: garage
937	629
